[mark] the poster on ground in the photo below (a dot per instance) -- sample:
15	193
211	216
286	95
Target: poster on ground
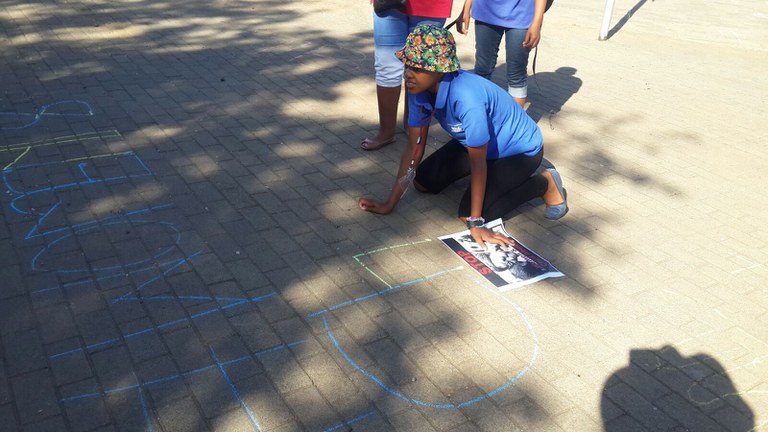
504	267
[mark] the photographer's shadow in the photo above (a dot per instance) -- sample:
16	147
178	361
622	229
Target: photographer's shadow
660	390
549	91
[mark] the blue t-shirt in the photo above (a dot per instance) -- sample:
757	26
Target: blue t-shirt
516	14
475	111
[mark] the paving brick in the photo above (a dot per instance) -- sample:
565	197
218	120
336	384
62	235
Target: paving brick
13	285
34	396
410	420
7	419
269	410
87	413
311	409
23	352
284	371
639	408
15	315
52	424
624	423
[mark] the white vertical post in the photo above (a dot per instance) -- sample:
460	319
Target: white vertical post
606	20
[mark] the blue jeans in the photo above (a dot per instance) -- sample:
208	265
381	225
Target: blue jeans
389	34
487	41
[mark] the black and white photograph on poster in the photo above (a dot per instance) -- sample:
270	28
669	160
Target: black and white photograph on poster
505	267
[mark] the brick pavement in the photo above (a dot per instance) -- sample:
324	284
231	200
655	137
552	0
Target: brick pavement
180	248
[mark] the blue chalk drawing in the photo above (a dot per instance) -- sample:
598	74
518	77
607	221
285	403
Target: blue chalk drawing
110	269
385	291
218	365
63	108
236	393
390	288
156	328
144	408
21	195
58	237
67	285
35	231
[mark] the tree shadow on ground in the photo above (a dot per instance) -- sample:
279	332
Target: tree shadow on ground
664	390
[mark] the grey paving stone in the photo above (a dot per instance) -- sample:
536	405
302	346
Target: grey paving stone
639	408
212	390
13	282
87	413
113	367
23	352
48	425
15	315
624	423
70	368
732	419
269	410
7	419
284	371
687	414
34	396
311	409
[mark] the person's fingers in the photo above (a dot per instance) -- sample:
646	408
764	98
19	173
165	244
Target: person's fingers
479	240
366	204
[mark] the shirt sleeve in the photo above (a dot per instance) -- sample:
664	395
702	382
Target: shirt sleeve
476	127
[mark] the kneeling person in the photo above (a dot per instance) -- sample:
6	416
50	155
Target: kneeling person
495	142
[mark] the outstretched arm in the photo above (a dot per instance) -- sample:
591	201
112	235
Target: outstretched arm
411	158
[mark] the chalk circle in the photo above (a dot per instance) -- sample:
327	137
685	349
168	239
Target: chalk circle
381	382
169	233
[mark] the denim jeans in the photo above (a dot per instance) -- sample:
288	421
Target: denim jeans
487	41
389	34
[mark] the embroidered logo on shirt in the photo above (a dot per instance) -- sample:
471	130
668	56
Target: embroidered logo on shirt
456	128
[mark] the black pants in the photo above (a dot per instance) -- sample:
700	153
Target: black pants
510	180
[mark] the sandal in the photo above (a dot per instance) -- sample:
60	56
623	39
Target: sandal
370	145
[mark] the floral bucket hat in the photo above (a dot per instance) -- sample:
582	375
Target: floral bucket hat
431	48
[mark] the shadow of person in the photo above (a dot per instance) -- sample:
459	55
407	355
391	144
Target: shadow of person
549	91
660	390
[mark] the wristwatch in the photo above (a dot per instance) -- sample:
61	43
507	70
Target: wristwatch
475	222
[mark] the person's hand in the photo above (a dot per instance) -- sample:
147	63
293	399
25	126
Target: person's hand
462	24
374	206
532	38
484	235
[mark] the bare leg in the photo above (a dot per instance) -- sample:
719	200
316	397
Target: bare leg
520	101
387	98
552	195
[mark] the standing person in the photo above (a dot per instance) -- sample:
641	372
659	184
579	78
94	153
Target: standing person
519	22
390	29
494	141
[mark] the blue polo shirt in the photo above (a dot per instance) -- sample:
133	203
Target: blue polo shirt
475	111
517	14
